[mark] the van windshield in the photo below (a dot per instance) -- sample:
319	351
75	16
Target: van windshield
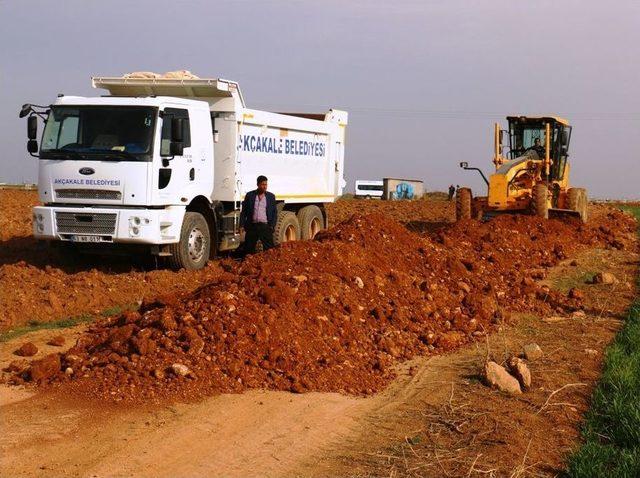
99	132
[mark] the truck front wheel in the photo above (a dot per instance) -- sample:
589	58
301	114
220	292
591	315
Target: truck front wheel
192	252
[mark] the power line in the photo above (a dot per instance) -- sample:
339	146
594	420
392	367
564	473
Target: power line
444	114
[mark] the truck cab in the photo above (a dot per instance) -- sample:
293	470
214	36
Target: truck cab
119	156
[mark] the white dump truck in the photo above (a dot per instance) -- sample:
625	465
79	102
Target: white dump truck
164	163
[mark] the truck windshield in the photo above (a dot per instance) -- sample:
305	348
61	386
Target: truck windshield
120	133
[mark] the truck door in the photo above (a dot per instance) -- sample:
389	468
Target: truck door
173	175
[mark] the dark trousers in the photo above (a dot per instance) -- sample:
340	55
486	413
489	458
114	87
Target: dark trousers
257	232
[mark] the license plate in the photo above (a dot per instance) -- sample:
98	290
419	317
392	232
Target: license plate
78	238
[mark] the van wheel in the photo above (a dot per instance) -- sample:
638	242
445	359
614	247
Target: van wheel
311	221
194	248
287	228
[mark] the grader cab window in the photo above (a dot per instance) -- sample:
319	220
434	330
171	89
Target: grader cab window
523	137
560	151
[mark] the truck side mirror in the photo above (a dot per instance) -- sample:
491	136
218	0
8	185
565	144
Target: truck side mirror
32	127
32	146
177	130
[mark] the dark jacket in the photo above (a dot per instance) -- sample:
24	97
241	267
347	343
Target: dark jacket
246	215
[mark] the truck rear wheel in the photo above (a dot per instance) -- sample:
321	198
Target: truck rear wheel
539	203
287	228
463	204
311	221
192	252
578	201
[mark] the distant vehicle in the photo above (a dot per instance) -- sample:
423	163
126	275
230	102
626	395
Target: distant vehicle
369	189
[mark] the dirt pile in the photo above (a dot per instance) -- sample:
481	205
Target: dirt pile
332	314
415	214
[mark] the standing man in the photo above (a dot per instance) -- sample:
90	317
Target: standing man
452	191
258	217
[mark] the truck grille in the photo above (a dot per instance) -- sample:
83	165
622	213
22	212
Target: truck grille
85	223
88	194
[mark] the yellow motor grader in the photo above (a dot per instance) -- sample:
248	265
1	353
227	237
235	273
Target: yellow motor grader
532	177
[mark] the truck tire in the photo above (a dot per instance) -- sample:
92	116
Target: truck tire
539	203
311	221
192	252
287	228
463	204
578	201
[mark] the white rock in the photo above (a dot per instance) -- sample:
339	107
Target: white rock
181	370
532	352
498	377
359	282
520	370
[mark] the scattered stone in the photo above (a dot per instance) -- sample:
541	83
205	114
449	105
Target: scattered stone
576	294
520	370
159	373
28	349
68	371
57	341
17	366
359	282
578	314
464	286
300	278
45	368
196	346
498	377
532	352
605	278
591	352
180	370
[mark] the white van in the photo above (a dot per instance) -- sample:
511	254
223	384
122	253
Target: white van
369	189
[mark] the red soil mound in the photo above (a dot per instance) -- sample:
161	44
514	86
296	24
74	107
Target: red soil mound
332	314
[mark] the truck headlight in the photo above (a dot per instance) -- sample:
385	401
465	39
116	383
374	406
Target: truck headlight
40	227
134	230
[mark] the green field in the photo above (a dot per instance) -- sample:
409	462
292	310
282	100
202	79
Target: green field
611	434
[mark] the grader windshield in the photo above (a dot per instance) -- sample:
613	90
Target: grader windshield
526	134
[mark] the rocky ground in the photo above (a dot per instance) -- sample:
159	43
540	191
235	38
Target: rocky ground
334	314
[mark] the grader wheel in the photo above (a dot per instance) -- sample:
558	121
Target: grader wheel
539	203
463	204
578	201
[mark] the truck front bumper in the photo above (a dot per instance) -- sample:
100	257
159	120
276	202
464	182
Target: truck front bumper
116	225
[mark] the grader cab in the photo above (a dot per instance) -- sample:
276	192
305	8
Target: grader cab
531	173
